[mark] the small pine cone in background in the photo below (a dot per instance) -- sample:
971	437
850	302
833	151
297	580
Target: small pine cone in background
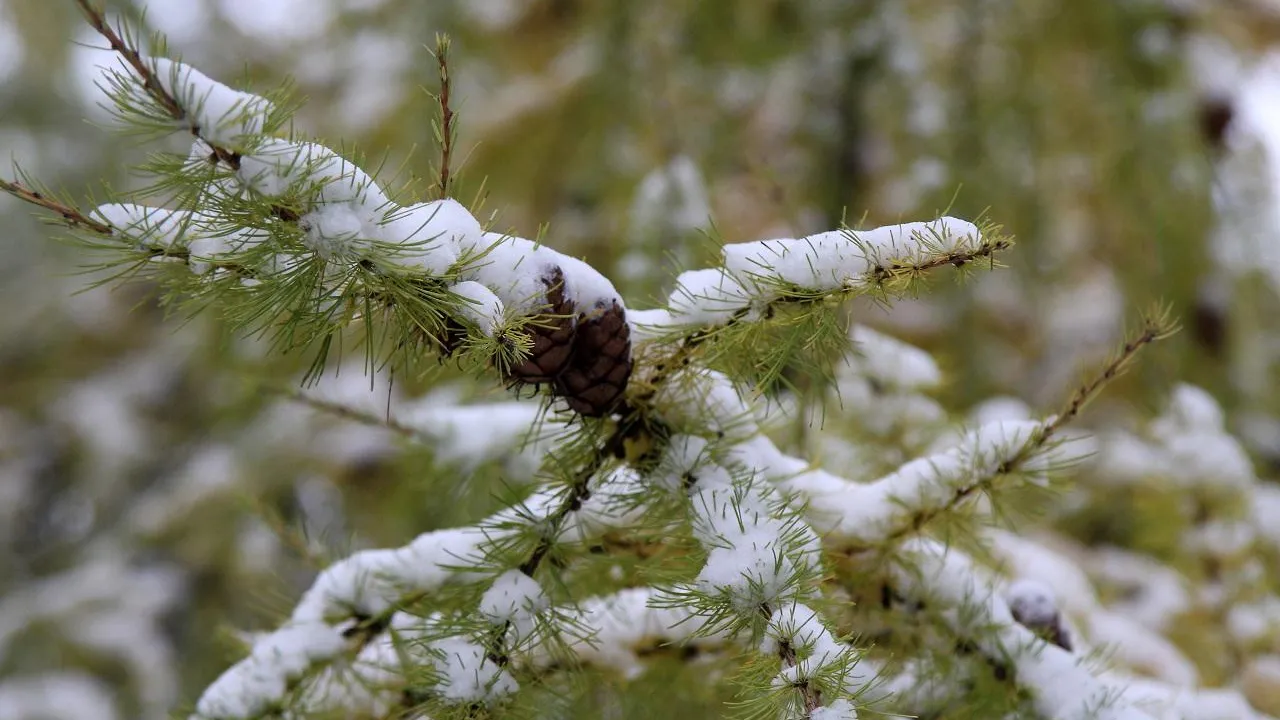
584	355
1033	606
1216	115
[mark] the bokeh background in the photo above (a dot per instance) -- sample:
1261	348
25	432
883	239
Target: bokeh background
153	499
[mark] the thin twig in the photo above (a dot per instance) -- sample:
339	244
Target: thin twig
446	115
98	21
579	492
70	215
1155	327
810	695
879	276
349	413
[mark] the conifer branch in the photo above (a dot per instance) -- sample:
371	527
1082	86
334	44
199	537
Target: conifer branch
98	21
444	126
346	412
72	217
1155	326
579	491
811	697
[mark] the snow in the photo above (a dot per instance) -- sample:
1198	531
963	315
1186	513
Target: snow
801	627
753	571
1220	538
585	286
250	686
206	251
725	513
706	399
617	627
841	259
708	297
892	362
612	504
1153	594
866	514
1174	703
838	710
1255	621
514	598
1190	408
62	695
162	229
219	114
479	305
12	47
683	456
276	166
334	230
1124	640
150	227
371	582
430	235
1026	558
514	268
1247	187
1061	686
471	434
1032	603
466	675
1266	513
670	199
997	409
280	21
1188	445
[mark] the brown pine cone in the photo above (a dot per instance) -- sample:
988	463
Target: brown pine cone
552	334
600	364
585	356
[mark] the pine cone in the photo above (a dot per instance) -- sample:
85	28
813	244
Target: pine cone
552	336
452	337
600	364
584	356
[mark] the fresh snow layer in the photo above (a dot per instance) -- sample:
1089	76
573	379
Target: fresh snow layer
219	114
842	258
518	271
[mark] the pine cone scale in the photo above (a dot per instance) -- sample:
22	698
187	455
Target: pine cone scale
584	356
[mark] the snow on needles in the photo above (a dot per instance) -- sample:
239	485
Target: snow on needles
514	600
205	242
250	686
842	258
1063	688
219	114
756	273
867	514
520	272
347	216
371	582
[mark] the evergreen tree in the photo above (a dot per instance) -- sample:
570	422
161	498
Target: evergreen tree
737	503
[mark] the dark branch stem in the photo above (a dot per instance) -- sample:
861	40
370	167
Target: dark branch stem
349	413
1152	331
70	215
98	21
579	492
446	115
810	695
